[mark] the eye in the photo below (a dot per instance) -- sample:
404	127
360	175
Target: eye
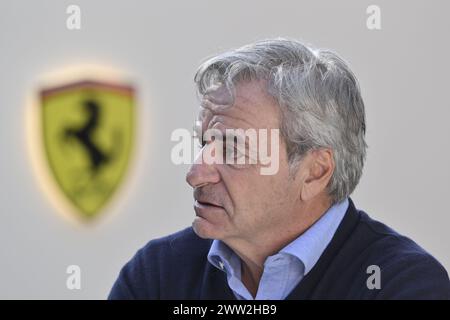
233	152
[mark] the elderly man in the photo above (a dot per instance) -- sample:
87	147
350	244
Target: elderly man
294	233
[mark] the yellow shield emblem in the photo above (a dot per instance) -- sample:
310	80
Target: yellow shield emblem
88	130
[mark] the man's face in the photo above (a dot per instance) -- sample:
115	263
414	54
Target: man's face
235	201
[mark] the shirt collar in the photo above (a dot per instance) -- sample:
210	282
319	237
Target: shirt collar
307	248
310	245
222	257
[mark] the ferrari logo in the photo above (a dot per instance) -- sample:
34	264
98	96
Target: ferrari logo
88	130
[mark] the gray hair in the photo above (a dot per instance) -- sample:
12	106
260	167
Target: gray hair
319	97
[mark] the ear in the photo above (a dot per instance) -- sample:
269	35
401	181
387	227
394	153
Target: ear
318	170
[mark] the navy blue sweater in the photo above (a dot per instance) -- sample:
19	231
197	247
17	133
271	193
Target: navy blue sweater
176	267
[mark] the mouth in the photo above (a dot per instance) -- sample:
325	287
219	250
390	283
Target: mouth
205	204
207	210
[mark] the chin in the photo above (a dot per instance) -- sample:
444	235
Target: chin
205	229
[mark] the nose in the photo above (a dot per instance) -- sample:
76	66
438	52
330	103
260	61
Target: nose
201	173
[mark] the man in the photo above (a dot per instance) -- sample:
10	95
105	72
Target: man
295	233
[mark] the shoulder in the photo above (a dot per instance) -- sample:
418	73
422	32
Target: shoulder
183	243
407	271
155	268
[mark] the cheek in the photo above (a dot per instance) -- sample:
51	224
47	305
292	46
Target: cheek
274	196
252	194
274	192
239	185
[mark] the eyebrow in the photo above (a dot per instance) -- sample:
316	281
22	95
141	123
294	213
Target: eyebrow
214	107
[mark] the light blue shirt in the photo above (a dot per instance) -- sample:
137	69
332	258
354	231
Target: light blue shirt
284	270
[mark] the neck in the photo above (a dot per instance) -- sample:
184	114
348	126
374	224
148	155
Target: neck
254	251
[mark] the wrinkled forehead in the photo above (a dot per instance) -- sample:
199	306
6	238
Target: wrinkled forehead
217	100
243	93
249	104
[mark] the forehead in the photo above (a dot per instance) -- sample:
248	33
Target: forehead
252	107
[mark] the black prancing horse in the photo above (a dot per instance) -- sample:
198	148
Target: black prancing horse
84	135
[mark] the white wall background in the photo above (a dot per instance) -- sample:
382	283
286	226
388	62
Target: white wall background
403	70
